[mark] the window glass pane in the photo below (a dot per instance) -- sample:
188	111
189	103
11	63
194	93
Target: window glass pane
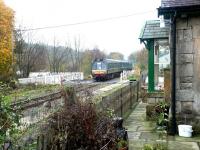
94	66
103	66
99	66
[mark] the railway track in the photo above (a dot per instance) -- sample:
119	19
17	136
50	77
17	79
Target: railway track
34	102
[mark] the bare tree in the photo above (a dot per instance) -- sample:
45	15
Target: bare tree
116	55
56	55
97	54
19	49
75	54
28	53
140	58
42	60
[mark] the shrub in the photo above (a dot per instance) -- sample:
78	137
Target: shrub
80	126
9	120
162	109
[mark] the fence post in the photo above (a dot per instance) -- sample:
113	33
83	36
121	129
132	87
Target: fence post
131	95
137	90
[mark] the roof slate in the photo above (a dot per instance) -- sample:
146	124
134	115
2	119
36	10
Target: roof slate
152	30
179	3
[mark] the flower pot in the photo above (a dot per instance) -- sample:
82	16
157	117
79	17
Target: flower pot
185	130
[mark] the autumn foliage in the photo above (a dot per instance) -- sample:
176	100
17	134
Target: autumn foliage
6	28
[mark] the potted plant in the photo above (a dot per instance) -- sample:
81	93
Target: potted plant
162	107
162	111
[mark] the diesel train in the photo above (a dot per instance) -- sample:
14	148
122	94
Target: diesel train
104	69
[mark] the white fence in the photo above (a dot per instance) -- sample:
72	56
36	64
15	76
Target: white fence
51	78
125	74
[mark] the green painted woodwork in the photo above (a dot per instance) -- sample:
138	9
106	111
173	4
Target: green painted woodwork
150	47
149	32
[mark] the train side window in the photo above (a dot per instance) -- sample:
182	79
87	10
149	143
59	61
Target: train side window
103	66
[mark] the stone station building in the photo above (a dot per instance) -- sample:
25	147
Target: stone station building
184	16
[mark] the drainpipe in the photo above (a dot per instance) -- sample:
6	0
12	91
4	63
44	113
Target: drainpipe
173	75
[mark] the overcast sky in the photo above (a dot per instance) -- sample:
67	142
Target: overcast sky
119	35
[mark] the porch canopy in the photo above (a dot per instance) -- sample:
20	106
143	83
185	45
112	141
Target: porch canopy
150	33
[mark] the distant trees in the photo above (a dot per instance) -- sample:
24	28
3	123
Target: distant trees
19	49
6	41
30	55
140	58
34	56
97	54
56	55
41	60
132	58
86	62
116	55
75	54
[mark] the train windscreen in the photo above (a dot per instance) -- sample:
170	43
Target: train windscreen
99	66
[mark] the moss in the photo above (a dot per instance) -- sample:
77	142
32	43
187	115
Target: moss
155	146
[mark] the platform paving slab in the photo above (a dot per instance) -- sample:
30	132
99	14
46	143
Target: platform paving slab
141	132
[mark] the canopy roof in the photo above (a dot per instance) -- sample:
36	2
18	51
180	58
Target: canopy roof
152	30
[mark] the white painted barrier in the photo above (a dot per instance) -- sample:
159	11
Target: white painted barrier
52	78
125	74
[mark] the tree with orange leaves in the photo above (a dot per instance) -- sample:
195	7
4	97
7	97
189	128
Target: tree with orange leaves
6	29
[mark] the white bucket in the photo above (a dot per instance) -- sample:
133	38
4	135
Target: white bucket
185	130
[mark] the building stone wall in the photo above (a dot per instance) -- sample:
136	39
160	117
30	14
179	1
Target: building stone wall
188	65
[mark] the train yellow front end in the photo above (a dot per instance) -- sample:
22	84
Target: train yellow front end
99	74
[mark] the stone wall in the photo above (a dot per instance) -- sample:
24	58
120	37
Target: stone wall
155	97
122	99
188	65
